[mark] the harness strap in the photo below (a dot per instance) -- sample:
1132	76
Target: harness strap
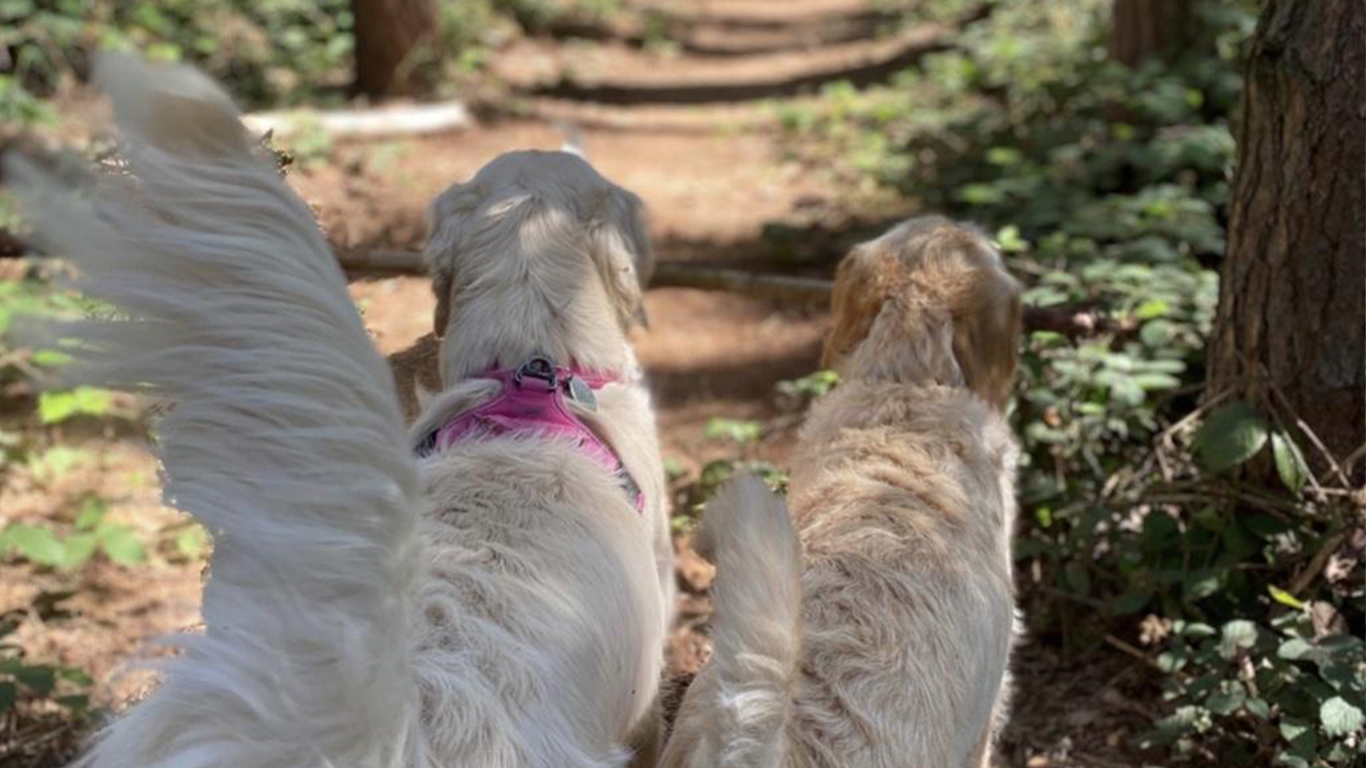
534	399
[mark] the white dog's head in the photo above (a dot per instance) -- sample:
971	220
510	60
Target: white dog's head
547	219
928	302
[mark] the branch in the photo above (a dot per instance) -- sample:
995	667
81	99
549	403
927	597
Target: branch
400	120
795	290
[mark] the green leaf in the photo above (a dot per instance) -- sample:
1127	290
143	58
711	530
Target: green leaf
36	544
55	462
121	545
1228	701
1299	734
9	694
1008	238
79	547
1078	577
77	703
1290	464
738	430
50	358
1238	635
1294	649
73	675
39	679
190	542
1230	436
1284	598
1151	308
1156	381
54	407
673	469
92	512
1340	718
1202	583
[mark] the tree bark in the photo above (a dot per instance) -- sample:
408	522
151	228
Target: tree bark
1290	332
386	32
1144	28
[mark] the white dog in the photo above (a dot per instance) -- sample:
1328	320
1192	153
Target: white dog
889	645
490	590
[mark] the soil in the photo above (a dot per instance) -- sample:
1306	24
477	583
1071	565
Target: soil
717	192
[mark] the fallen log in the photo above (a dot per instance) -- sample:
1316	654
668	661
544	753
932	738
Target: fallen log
1070	320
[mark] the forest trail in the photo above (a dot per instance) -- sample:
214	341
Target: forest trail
692	127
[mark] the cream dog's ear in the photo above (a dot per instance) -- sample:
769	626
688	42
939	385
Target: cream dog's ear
862	283
986	332
620	243
447	222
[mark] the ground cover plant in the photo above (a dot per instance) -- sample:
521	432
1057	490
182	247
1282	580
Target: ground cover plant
1108	185
1149	536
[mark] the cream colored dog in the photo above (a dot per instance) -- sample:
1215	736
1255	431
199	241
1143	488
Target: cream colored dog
893	651
497	598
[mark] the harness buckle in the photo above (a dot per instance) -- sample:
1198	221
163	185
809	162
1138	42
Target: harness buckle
542	368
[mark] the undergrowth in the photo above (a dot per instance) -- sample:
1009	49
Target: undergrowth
1107	188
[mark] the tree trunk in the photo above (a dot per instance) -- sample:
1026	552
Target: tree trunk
1143	28
1292	301
386	32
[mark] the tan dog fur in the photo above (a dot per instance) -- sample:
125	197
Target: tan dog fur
902	496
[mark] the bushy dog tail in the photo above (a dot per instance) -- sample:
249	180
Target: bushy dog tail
736	711
283	437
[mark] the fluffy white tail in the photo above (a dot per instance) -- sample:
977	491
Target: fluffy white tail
284	439
735	713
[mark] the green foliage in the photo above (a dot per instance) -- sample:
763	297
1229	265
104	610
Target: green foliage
1230	436
741	432
808	387
269	51
55	407
1273	693
22	681
90	533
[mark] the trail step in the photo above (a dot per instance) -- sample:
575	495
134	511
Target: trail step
734	28
756	14
618	74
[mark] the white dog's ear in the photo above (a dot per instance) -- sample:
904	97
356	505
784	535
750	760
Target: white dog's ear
620	242
447	223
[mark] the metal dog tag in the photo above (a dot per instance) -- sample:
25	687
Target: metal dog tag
581	393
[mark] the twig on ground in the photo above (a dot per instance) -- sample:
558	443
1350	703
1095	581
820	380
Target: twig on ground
1138	653
1323	449
1200	410
1309	433
1315	566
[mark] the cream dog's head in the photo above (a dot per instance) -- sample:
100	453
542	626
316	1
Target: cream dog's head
928	302
541	251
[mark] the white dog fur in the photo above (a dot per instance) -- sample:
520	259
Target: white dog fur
497	604
902	495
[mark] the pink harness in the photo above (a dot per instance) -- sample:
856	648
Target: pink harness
533	400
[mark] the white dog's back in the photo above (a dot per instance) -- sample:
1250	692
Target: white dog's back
500	602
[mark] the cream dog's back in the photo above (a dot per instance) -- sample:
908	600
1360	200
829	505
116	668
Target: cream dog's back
908	608
902	496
